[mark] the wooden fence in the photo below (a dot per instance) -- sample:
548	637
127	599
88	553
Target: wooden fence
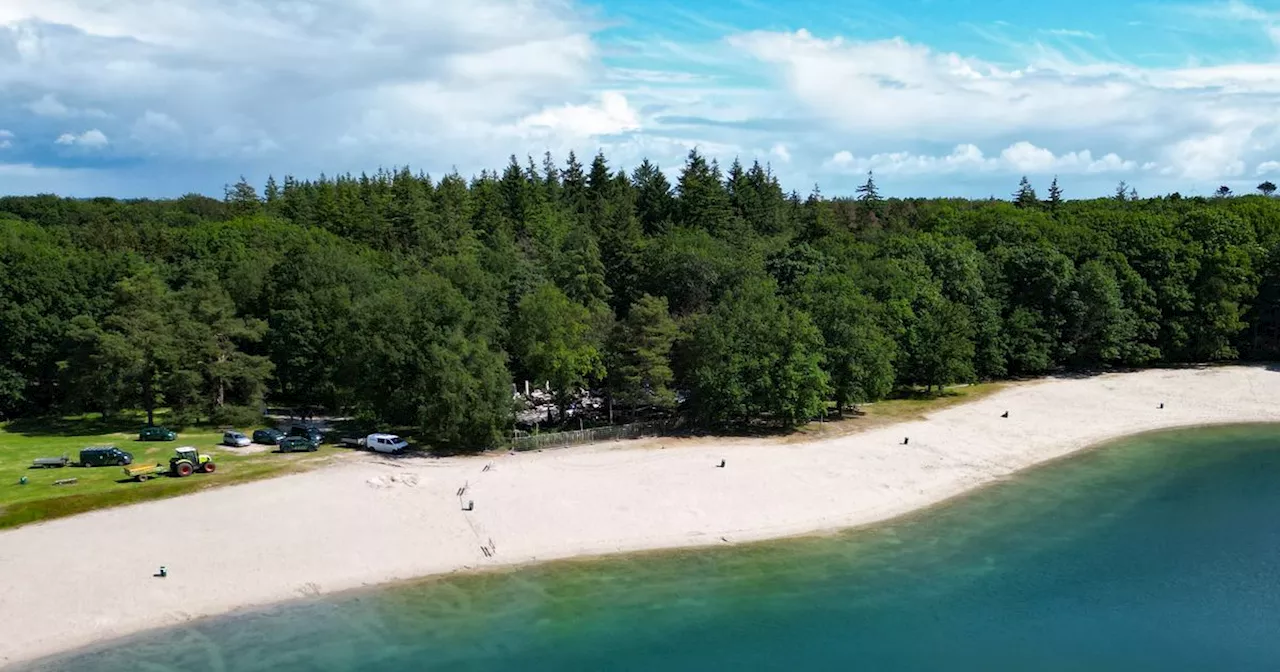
634	430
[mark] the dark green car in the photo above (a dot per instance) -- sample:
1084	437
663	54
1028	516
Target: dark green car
297	444
157	434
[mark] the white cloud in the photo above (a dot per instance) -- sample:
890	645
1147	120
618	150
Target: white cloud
1021	157
92	138
612	115
1267	168
892	86
288	80
781	152
49	106
1196	123
1068	32
154	125
306	86
6	138
1208	156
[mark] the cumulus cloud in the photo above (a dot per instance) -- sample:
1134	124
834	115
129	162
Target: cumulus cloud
48	106
92	138
1021	157
1191	123
1267	168
6	138
401	76
307	86
612	115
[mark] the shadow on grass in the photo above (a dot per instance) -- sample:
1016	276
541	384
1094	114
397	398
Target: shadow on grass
74	426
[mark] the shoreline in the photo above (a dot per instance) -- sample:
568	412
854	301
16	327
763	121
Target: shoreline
374	522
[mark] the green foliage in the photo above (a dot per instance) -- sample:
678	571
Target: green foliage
416	302
938	348
858	354
425	361
755	357
640	364
1026	197
554	343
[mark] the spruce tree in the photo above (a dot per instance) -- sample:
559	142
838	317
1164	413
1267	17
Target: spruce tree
868	193
1025	196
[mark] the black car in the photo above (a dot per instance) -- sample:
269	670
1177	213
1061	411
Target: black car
308	432
105	456
267	437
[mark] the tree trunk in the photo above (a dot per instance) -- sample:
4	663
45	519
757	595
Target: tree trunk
149	402
222	383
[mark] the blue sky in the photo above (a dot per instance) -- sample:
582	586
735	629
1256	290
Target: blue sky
938	97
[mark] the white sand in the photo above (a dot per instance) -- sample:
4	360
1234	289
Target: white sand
368	520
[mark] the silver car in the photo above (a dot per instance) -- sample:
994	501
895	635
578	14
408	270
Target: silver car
235	439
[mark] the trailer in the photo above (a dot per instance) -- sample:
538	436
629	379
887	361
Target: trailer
51	462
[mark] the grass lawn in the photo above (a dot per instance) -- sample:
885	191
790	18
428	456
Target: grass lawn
100	487
913	405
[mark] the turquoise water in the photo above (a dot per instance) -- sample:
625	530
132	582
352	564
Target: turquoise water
1161	552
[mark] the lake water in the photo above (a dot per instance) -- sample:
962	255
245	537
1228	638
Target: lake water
1160	552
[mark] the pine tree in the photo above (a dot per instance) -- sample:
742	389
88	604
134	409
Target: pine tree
1122	191
272	195
655	204
868	193
599	179
1055	195
574	186
243	199
703	202
1025	197
550	179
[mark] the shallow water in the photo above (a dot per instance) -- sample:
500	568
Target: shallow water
1160	552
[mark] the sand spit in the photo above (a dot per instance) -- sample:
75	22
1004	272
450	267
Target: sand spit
75	581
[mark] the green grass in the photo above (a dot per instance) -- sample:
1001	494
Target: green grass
908	405
102	487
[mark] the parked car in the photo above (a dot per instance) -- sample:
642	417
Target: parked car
298	444
157	434
105	456
267	437
308	432
235	439
381	443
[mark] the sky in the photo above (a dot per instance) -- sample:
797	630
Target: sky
157	98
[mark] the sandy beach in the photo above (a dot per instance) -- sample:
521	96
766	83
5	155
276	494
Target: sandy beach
371	519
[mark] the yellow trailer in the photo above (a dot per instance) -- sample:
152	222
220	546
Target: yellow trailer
186	461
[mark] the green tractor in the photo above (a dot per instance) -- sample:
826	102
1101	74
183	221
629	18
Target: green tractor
187	461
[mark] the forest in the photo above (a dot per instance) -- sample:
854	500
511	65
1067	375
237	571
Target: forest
718	296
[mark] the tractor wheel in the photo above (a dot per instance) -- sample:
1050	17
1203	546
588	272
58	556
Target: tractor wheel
184	469
209	467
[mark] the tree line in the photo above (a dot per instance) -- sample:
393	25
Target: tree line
417	302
